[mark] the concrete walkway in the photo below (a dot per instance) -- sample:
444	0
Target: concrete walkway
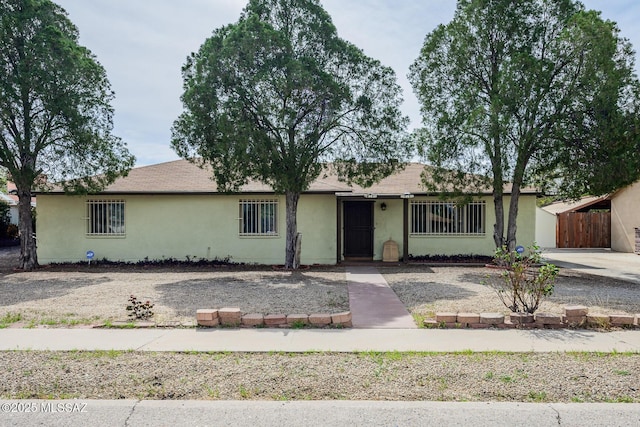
372	302
329	340
600	262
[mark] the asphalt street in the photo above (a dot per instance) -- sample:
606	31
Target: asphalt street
315	413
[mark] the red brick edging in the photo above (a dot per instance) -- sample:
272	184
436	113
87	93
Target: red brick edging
233	317
575	316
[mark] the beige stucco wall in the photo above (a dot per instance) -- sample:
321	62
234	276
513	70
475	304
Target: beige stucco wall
479	245
198	226
625	217
545	228
206	226
388	225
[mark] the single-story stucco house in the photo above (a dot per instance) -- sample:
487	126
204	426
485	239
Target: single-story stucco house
173	210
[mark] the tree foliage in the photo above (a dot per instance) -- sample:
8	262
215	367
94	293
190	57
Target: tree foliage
533	92
55	113
278	95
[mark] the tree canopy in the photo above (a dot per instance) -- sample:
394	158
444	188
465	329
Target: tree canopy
278	95
532	92
55	114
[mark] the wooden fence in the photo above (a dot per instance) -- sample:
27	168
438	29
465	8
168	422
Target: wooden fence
583	230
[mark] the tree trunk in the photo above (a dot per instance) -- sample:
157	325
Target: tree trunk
292	228
513	216
28	255
498	227
296	258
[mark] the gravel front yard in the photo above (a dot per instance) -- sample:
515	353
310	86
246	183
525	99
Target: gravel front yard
82	295
425	290
48	297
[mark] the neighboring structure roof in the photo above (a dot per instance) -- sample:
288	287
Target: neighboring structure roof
574	206
11	198
8	199
183	177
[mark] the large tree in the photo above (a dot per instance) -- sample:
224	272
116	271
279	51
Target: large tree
55	113
527	92
278	95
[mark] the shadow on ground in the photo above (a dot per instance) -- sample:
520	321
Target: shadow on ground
315	294
17	289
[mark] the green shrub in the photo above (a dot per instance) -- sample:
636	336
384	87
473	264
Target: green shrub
523	281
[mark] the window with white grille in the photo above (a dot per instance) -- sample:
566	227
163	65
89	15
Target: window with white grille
258	217
105	218
445	218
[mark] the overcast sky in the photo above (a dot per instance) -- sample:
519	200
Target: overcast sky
143	44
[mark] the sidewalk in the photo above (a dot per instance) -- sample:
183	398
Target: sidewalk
329	340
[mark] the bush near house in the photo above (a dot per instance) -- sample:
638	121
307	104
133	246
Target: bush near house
523	280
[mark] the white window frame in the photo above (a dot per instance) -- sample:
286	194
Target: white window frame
443	218
258	217
106	218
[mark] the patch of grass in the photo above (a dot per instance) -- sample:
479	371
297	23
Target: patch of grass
489	375
506	379
419	319
244	393
9	319
213	393
298	324
218	355
538	396
128	325
281	397
96	354
622	372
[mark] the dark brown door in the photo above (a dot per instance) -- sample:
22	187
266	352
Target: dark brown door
358	229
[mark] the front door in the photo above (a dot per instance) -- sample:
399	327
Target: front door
358	229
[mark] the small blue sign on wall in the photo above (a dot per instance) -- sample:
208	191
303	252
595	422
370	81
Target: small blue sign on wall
520	249
90	255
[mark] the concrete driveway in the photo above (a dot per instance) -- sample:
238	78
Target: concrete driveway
601	262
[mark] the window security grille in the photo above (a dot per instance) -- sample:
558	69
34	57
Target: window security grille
105	218
445	218
258	217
